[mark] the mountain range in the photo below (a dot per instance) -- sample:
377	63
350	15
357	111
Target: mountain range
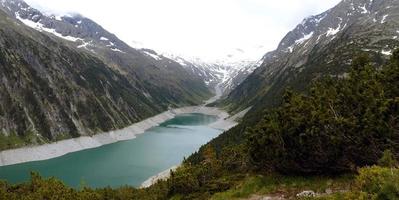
79	79
87	35
322	108
321	45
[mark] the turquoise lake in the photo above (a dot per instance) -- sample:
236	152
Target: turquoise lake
124	163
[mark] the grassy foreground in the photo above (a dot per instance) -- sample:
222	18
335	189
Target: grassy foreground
371	183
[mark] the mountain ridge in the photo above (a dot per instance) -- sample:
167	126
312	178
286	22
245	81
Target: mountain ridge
312	48
54	90
86	35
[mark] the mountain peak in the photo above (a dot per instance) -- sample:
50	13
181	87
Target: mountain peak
323	44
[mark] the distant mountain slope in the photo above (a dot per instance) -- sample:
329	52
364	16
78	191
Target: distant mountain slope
161	71
224	75
52	89
320	45
167	82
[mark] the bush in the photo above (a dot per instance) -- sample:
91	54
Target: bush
378	182
388	160
341	124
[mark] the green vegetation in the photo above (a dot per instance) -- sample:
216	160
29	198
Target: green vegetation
11	141
15	141
323	140
289	186
338	126
372	183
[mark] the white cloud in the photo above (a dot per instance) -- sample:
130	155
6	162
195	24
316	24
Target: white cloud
201	28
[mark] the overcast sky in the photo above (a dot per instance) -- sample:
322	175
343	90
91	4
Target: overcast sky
208	29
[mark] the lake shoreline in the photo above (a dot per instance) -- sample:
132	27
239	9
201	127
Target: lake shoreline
160	176
221	124
60	148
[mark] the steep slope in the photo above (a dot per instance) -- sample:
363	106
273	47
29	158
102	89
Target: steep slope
165	81
320	45
52	90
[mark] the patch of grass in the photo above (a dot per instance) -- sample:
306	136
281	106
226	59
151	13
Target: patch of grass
13	141
288	186
10	142
379	183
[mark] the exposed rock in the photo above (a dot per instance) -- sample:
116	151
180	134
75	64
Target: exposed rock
328	191
307	193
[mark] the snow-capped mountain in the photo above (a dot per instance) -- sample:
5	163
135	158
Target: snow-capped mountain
323	44
87	35
223	75
329	25
154	72
81	32
75	28
66	76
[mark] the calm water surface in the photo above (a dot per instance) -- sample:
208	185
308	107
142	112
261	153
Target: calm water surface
124	163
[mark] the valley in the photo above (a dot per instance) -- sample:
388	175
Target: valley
87	115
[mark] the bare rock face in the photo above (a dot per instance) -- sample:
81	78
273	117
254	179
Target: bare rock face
321	45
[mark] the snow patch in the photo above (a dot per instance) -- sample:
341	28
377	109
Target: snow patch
40	27
332	31
291	48
304	38
364	9
181	62
320	18
104	39
156	57
84	45
384	19
58	18
117	50
111	44
386	52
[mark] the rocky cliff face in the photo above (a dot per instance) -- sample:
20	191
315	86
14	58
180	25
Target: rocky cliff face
155	73
53	88
321	45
